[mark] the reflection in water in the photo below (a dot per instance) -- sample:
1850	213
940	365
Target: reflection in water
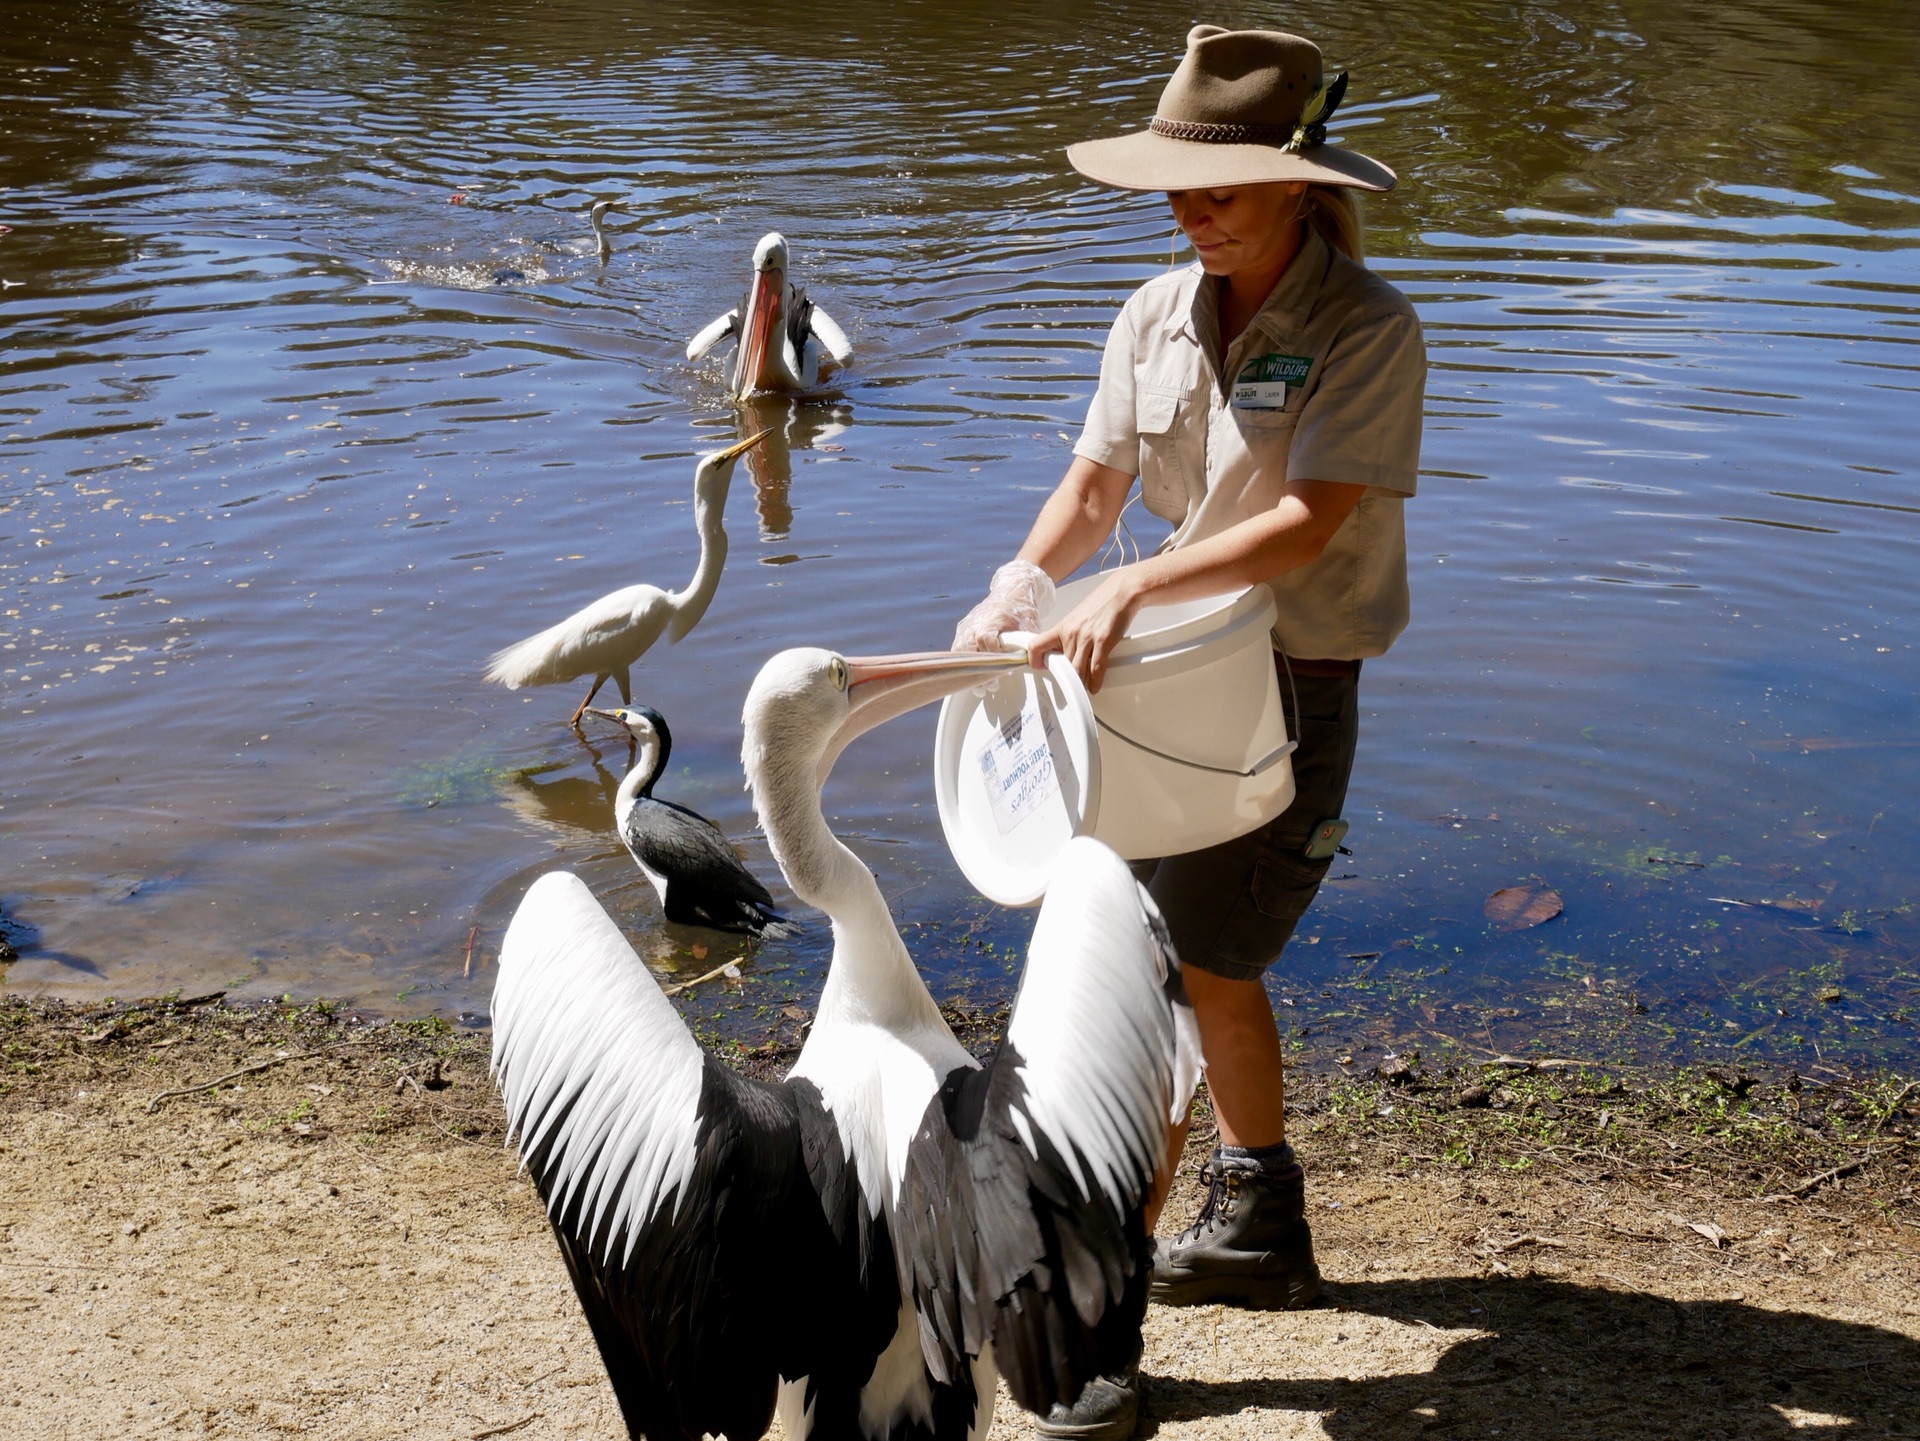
557	800
791	424
272	485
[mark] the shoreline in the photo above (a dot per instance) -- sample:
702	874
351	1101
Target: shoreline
263	1220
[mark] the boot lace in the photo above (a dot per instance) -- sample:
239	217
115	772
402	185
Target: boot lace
1223	1193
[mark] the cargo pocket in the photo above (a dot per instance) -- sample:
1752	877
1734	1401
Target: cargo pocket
1163	484
1284	883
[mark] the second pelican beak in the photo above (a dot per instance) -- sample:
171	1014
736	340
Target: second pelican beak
880	688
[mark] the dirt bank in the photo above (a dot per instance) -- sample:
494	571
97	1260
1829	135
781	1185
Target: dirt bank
332	1241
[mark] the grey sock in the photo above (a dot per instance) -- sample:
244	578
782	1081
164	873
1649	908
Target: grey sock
1270	1160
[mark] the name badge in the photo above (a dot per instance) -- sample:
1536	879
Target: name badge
1263	381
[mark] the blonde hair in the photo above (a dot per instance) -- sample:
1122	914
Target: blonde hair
1333	211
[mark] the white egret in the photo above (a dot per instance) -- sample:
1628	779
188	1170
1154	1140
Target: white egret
604	639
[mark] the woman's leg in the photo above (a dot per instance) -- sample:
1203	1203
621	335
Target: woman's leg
1244	1078
1242	1047
1231	910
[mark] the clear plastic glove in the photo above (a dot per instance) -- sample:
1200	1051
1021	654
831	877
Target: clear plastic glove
1017	596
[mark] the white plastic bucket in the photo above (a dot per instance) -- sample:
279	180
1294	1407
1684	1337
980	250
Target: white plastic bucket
1185	746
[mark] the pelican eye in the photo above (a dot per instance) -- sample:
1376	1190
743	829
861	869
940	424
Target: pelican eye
837	671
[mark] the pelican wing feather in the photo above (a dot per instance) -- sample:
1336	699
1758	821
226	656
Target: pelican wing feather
831	336
711	1224
1020	1221
712	334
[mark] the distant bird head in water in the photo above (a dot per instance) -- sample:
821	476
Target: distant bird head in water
598	215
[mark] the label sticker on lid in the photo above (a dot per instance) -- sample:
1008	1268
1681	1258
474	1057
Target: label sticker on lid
1263	381
1016	765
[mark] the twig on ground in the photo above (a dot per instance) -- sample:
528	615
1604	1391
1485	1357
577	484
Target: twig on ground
1813	1183
271	1061
510	1426
1527	1240
1893	1107
466	971
719	970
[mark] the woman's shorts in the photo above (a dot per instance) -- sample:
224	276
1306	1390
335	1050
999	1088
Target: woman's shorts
1232	907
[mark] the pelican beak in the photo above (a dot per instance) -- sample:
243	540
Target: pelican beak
880	688
757	329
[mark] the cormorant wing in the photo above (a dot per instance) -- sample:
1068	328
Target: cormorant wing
676	842
1020	1222
712	334
713	1226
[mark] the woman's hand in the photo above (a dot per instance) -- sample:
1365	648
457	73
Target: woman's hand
1016	597
1090	631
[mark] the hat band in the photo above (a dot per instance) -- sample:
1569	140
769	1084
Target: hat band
1208	134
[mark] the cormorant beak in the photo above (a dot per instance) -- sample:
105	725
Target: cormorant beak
612	715
880	688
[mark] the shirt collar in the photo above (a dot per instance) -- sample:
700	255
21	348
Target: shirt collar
1285	308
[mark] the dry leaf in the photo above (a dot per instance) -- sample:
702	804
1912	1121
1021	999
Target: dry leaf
793	1013
1515	908
1703	1228
699	951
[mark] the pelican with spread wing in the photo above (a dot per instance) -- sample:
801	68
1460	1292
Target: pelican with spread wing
867	1244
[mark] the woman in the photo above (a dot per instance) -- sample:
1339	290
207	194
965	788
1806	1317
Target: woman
1269	401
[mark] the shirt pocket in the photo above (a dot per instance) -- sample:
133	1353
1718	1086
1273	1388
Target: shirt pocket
1163	483
1265	426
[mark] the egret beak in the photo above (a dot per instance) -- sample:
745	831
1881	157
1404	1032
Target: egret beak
741	447
880	688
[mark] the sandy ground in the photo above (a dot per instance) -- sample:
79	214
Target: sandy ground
336	1244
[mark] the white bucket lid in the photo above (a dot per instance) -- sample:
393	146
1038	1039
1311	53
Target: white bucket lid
1017	775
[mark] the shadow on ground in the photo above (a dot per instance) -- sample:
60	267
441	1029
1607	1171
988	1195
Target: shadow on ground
1555	1359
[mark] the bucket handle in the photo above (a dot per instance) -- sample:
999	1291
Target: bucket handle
1266	762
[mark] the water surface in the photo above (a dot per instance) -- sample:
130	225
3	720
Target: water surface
312	395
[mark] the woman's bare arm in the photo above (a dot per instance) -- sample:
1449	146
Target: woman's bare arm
1290	535
1077	518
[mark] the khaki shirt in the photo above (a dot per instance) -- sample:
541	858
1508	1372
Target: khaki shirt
1325	383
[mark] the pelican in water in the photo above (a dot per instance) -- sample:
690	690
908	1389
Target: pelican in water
699	878
604	639
782	336
864	1245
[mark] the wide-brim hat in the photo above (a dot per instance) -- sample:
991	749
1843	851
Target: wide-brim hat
1246	107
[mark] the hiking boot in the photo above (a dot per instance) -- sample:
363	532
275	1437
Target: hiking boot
1108	1410
1250	1245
